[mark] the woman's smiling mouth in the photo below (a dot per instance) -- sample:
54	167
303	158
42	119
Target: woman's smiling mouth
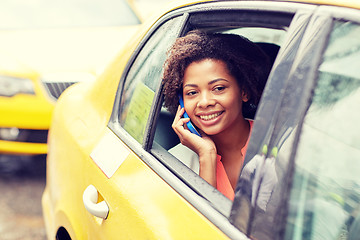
210	116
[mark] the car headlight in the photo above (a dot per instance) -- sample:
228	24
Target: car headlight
9	134
10	86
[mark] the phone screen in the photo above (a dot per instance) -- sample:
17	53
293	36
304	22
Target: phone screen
190	126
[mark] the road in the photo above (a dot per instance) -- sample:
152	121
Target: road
22	182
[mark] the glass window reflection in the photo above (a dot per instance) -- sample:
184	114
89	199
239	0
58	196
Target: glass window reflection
144	78
325	198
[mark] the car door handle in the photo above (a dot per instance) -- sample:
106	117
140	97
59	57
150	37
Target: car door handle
90	198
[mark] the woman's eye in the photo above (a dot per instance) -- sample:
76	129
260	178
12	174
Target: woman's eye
191	93
219	88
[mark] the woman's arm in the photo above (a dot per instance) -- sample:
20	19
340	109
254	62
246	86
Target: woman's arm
203	146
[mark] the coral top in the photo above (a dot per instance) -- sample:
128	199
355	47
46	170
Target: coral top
222	180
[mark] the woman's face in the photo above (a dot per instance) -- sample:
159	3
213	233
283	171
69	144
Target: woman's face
212	96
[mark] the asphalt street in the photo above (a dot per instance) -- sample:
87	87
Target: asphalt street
22	182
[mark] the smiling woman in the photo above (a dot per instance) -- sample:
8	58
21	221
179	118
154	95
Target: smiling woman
216	74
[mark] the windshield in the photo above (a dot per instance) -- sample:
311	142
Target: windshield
40	14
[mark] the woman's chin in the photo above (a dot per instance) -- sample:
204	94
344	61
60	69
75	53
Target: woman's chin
211	132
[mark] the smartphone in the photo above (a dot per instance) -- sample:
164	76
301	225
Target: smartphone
190	126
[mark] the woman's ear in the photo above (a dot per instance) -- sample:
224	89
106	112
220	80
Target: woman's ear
244	96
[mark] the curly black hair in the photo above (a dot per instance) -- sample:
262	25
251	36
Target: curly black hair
244	59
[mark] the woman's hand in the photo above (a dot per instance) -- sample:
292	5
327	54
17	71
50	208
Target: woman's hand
203	146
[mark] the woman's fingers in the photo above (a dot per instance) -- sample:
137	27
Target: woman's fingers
178	120
180	111
179	125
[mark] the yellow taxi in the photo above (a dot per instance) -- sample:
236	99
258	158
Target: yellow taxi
44	48
110	174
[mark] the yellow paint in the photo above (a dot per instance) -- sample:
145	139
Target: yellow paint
26	111
9	147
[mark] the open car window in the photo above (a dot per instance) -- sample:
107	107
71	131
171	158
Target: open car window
261	34
270	38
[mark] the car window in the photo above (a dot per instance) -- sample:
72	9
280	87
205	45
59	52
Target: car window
261	34
270	38
325	197
144	79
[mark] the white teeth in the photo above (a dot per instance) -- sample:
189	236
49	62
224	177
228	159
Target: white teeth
210	117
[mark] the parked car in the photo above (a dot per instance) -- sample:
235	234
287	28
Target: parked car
109	172
46	46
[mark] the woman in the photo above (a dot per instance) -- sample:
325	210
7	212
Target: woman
219	76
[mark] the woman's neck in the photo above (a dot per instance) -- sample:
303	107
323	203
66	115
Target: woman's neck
232	139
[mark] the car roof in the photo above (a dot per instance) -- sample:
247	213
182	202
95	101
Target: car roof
341	3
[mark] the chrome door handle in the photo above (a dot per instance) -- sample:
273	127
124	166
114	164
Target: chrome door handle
90	198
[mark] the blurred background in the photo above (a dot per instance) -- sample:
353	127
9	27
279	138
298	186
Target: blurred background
45	47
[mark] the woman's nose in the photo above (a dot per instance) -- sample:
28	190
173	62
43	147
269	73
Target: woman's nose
205	100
